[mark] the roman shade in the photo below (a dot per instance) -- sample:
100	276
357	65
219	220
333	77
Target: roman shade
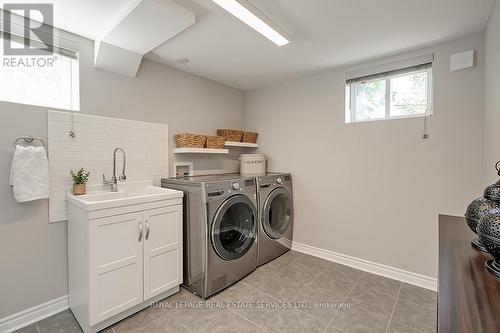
390	69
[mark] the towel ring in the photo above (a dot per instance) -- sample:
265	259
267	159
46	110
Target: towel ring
30	139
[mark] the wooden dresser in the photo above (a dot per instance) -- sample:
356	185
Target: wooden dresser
469	296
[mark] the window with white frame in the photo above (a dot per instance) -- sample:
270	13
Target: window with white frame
48	80
402	92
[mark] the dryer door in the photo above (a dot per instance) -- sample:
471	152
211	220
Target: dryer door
233	227
277	213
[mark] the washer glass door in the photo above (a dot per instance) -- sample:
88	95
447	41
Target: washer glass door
277	213
234	228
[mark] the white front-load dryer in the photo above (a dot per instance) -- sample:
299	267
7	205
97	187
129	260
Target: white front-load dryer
275	201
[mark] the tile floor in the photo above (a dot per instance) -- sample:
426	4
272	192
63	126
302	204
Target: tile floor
294	293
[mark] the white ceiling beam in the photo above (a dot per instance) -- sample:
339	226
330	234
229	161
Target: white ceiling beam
144	27
116	59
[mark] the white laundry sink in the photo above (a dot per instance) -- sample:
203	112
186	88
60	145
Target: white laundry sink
129	193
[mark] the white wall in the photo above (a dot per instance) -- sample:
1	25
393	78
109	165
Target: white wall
492	107
33	256
374	190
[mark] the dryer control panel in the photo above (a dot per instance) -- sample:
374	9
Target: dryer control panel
272	181
280	180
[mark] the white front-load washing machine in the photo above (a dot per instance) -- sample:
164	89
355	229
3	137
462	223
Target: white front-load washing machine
275	201
220	230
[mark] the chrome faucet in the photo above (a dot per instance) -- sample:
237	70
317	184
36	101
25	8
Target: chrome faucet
114	181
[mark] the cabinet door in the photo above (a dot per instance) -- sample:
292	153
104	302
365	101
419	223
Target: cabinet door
162	250
116	263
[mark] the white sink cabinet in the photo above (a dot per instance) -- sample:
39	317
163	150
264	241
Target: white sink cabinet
124	253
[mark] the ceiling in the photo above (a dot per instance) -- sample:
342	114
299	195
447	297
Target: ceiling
89	18
324	33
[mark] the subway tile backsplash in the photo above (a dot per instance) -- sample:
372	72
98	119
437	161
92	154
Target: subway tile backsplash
146	145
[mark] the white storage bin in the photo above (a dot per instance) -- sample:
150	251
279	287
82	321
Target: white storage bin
252	164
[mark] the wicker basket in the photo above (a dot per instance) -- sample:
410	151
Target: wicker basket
230	135
250	137
215	142
187	140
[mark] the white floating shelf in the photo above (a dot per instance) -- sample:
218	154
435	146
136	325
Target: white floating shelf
241	144
200	151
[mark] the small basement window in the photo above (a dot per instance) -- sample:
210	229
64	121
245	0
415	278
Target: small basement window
402	91
48	79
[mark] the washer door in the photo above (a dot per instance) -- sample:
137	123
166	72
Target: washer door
234	228
277	213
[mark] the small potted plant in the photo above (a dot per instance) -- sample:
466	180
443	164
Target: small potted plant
80	178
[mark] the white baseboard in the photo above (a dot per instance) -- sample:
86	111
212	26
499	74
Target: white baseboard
34	314
416	279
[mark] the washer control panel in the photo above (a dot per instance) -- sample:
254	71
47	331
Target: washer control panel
214	191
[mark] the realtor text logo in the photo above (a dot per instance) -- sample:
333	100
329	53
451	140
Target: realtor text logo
35	35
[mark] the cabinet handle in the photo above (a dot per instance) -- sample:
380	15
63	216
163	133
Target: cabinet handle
147	229
140	231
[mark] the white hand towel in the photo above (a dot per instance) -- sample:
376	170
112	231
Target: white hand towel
29	173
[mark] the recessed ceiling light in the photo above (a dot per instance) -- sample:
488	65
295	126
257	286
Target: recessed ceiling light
181	60
250	18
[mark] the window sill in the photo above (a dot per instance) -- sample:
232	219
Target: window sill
391	118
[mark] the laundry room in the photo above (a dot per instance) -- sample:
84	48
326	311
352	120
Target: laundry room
249	166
